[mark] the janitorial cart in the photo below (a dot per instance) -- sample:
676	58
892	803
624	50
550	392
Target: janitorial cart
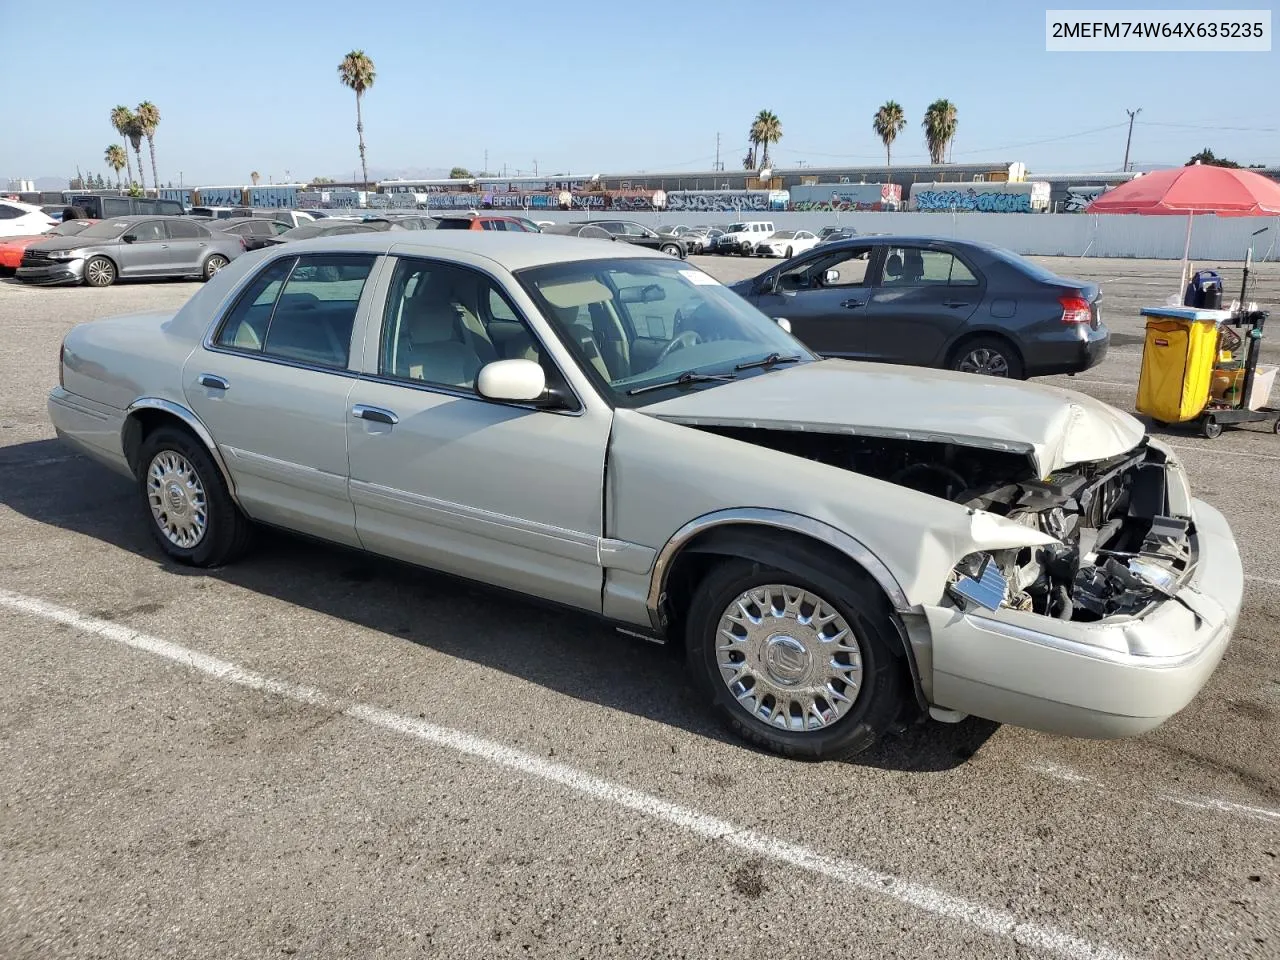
1200	362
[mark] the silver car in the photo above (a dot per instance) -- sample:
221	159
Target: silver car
129	248
839	546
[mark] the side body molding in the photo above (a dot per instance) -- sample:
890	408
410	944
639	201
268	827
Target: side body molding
196	426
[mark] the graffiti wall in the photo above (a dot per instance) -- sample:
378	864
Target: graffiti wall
1079	198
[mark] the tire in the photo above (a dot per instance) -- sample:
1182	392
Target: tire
212	265
171	457
877	704
789	253
670	249
983	355
99	272
1211	428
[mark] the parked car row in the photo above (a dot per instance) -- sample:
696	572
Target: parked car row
759	238
841	547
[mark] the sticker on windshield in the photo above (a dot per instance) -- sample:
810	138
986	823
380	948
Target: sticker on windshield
700	279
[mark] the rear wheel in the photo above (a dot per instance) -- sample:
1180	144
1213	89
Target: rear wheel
99	272
988	356
789	253
800	664
192	516
1211	428
671	250
214	264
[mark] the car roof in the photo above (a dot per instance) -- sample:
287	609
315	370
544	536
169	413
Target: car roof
515	251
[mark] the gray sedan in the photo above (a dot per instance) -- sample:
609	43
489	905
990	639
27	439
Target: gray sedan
128	248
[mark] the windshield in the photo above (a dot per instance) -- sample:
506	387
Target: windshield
634	322
71	228
106	229
784	235
735	228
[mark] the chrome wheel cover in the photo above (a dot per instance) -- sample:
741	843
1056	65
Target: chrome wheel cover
100	272
177	499
789	658
215	264
986	361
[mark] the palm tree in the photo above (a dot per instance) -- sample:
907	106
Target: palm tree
255	177
766	129
134	133
121	119
116	158
939	128
148	116
888	123
356	71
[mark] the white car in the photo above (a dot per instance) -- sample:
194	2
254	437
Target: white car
787	244
23	220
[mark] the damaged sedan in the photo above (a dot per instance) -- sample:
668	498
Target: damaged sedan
838	548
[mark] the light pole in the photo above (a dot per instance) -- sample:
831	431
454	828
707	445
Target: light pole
1129	139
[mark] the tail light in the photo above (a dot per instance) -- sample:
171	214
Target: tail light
244	244
1075	310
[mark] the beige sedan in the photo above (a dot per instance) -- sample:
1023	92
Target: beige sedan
840	547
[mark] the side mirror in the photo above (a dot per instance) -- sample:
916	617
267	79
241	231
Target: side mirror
129	237
830	277
769	284
518	381
783	322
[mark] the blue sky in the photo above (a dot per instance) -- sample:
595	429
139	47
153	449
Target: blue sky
600	87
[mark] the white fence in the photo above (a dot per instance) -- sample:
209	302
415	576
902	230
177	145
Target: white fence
1064	234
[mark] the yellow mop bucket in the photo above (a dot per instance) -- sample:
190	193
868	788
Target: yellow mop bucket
1177	363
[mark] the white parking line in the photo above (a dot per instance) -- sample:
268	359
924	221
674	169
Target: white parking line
995	922
1067	775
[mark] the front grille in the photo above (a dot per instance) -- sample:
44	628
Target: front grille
33	258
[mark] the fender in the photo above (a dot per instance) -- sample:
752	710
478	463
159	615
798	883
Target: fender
192	422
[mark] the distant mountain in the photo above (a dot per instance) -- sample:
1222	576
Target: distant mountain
52	183
394	173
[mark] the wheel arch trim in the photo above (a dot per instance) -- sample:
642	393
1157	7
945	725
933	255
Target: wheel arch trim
192	422
797	523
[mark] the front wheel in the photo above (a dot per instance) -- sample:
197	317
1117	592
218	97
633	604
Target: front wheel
801	665
988	356
213	265
99	272
670	249
789	253
192	516
1211	428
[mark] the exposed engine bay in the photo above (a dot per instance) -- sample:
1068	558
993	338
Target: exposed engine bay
1119	550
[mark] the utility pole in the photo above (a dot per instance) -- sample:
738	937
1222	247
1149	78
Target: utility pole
486	161
535	168
717	166
1132	114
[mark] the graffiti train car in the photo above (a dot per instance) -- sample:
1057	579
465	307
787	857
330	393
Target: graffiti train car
1030	196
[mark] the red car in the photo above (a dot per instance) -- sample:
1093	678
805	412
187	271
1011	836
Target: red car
11	248
482	222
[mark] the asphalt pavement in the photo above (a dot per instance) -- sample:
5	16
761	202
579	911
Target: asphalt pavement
313	753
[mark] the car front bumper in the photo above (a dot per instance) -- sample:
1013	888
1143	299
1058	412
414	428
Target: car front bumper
1118	677
63	271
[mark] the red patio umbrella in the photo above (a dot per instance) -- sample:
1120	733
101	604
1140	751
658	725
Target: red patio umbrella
1186	191
1200	188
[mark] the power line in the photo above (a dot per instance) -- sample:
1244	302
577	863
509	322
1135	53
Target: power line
1211	126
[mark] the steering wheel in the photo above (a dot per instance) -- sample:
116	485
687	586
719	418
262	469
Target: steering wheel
689	338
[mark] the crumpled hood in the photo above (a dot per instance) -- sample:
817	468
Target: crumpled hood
1057	427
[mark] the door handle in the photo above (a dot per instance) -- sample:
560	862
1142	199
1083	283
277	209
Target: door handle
376	414
213	381
852	304
955	303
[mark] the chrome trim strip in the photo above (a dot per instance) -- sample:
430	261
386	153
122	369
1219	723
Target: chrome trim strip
290	473
625	556
528	534
779	519
197	427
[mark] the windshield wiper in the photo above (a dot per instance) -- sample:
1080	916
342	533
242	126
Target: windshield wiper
684	379
769	361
